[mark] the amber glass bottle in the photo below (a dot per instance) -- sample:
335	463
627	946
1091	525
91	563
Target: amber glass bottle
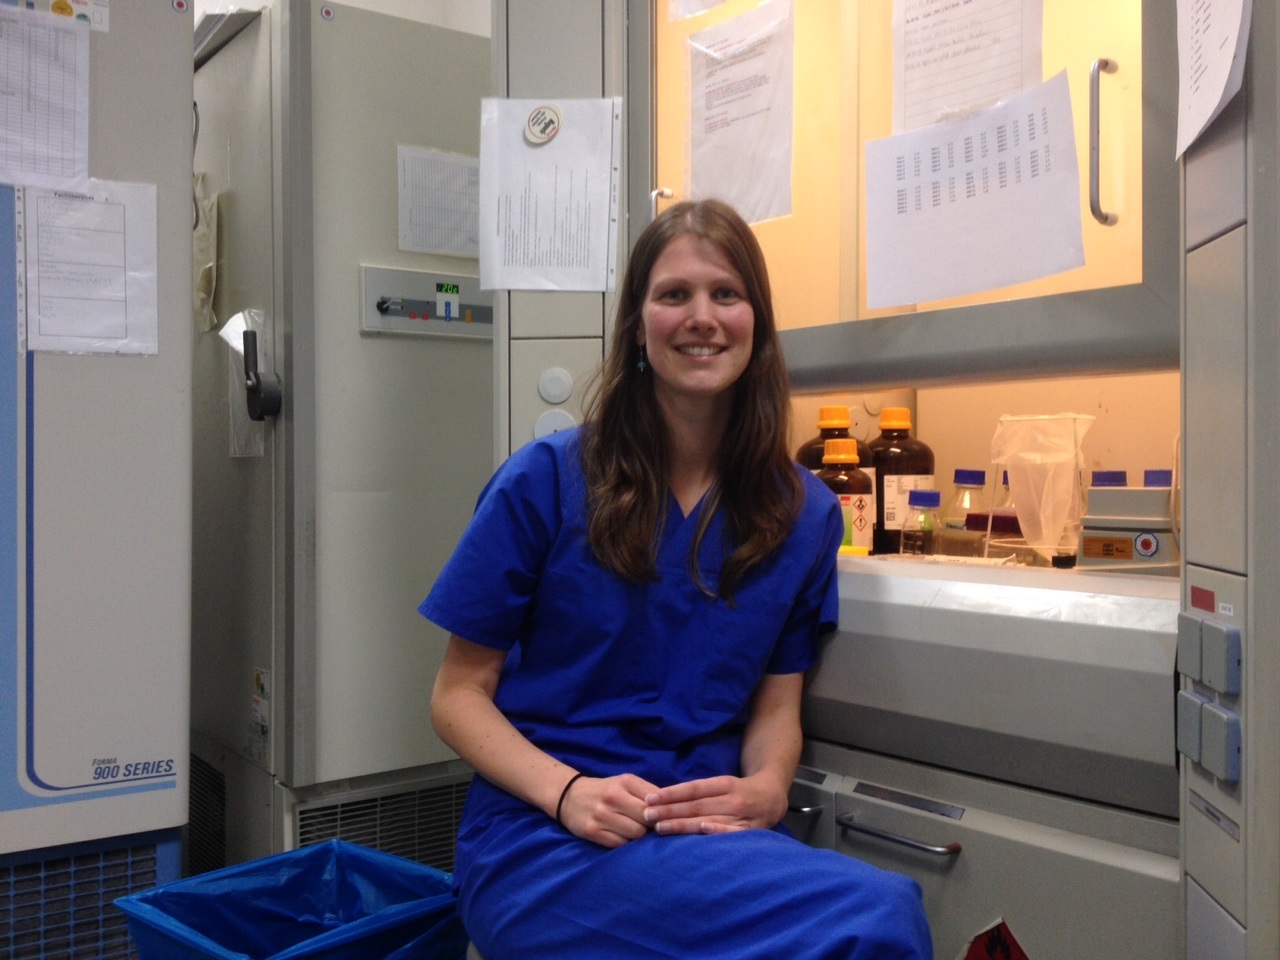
833	424
902	464
856	492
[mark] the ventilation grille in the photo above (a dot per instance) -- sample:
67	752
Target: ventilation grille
419	825
61	908
206	846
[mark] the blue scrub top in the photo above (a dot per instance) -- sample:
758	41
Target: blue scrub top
610	676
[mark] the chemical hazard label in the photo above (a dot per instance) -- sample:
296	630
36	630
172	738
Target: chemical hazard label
995	943
858	519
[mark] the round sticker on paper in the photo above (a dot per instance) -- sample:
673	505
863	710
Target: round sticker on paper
543	124
326	12
1146	544
180	5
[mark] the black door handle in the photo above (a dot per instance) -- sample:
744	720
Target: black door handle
262	390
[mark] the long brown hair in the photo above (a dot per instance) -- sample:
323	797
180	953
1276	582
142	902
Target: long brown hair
624	441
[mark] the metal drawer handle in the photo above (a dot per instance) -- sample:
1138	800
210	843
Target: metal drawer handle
1095	175
948	850
805	811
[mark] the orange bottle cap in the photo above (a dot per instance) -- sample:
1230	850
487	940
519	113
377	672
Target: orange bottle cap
840	450
831	417
895	418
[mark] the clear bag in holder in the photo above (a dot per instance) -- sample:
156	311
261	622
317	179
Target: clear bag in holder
1044	460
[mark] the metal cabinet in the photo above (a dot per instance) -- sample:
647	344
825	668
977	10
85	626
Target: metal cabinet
1052	868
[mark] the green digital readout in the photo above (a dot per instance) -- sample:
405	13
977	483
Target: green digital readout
447	288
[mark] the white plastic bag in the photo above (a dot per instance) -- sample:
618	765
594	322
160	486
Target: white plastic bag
1044	460
204	254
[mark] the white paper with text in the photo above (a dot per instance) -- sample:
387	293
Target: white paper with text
975	204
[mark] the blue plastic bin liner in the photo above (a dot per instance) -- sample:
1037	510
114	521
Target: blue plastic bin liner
331	901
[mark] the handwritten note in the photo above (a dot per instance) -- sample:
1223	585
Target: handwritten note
952	57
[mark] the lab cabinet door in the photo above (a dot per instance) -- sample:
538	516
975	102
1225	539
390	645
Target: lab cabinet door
1118	312
1064	895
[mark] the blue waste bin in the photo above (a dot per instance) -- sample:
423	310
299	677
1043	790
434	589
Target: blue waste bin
331	901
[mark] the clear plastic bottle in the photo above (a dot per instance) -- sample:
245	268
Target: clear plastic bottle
834	423
955	539
902	464
856	492
920	525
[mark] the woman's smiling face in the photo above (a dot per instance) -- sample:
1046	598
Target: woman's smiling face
696	322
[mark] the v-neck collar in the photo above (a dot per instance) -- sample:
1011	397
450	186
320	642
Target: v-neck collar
674	505
679	529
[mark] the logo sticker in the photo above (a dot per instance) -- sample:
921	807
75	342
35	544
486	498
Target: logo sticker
543	124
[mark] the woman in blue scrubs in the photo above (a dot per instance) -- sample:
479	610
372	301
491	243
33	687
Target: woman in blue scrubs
632	609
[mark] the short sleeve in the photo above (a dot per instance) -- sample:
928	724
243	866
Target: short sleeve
812	546
485	590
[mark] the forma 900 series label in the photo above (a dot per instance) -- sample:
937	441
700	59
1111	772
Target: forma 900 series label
111	769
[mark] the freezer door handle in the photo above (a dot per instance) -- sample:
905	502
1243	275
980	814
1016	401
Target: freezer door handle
847	822
262	390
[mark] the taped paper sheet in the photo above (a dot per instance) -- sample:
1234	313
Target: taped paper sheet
975	204
439	199
741	112
1213	36
952	59
549	182
91	269
44	113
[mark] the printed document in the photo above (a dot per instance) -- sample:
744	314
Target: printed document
44	102
91	269
975	204
741	112
1212	38
549	183
439	200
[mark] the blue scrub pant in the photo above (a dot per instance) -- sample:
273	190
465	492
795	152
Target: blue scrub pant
532	890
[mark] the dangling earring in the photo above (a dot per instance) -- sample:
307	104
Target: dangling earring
641	364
